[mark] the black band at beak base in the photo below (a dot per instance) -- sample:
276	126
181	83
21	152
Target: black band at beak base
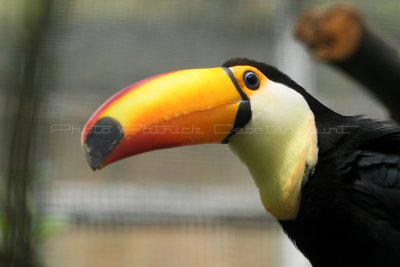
235	83
243	116
105	134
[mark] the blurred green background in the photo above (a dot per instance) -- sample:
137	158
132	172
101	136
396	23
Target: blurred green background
192	206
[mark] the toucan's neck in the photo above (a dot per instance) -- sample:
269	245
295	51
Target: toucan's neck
279	147
332	127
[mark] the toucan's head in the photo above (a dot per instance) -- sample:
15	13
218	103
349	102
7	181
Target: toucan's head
263	115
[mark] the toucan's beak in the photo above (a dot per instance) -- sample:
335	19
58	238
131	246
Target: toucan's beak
174	109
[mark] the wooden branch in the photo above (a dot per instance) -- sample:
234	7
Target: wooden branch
339	36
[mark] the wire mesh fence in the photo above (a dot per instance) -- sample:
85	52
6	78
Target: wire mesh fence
189	206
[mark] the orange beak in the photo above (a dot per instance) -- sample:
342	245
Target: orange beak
180	108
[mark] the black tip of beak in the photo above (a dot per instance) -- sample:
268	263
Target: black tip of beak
105	134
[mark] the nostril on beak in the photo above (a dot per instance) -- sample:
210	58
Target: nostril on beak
105	134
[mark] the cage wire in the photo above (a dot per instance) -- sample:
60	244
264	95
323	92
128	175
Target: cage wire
191	206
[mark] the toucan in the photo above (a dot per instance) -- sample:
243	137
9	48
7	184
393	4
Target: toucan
332	181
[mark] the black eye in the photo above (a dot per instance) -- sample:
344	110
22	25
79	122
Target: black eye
251	80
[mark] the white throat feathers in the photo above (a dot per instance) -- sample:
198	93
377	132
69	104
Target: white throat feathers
279	147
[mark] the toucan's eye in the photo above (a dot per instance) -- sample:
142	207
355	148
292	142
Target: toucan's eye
251	80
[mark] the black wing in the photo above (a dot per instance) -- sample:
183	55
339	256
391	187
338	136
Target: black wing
372	180
376	184
373	171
